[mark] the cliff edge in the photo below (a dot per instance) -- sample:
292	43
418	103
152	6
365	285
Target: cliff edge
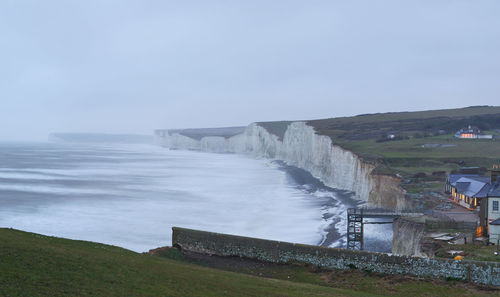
298	144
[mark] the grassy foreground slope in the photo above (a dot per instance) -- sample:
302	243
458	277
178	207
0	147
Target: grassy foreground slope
36	265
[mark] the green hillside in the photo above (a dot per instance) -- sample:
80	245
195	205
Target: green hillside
36	265
424	141
421	123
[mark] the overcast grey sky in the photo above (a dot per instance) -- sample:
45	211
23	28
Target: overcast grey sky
134	66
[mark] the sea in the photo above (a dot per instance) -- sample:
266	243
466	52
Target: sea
131	195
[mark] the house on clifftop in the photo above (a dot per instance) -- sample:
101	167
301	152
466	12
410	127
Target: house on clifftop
472	132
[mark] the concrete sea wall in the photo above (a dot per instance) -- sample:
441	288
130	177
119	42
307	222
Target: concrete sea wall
407	237
283	252
300	146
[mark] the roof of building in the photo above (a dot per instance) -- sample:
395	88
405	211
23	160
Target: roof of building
484	192
482	179
454	177
495	222
462	186
473	187
471	129
495	189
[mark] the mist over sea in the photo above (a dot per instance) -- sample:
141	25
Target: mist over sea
131	196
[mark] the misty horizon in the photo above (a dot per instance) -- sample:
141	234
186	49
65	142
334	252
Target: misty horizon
132	67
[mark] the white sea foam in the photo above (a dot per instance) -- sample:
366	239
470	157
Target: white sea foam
135	203
30	176
53	189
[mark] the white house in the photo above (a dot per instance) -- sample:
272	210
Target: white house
471	132
494	213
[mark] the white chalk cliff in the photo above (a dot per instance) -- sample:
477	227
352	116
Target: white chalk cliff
302	147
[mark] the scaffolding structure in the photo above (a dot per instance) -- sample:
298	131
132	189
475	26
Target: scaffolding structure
356	223
355	229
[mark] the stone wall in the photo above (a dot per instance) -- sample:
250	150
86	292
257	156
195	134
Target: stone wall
284	252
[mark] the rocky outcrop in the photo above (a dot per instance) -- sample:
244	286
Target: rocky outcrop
408	237
300	146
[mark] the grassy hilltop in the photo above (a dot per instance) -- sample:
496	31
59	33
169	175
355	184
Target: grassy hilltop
424	141
372	126
36	265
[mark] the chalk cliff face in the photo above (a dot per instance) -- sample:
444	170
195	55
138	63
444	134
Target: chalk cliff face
303	148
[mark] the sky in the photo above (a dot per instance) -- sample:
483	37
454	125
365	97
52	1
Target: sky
135	66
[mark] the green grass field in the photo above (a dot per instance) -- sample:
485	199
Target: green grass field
411	156
36	265
471	251
466	112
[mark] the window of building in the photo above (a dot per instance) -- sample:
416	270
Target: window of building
495	205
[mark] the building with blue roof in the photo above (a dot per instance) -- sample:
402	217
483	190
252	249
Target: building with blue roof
468	189
481	193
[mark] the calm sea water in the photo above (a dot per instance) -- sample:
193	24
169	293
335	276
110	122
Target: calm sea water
131	195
